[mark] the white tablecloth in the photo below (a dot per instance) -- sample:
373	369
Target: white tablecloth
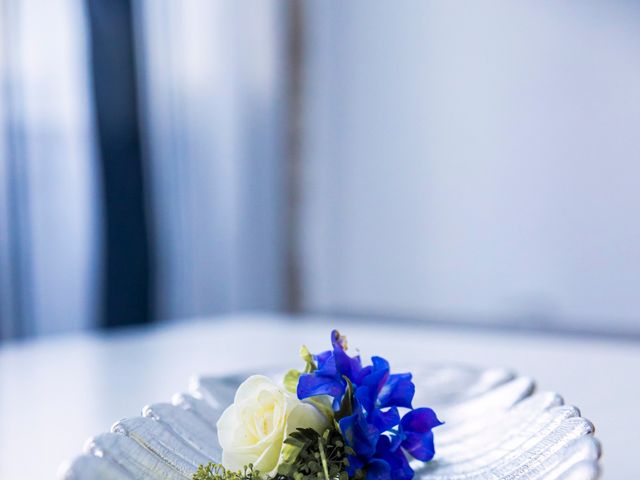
56	392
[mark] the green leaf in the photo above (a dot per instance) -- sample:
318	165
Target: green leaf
311	455
322	403
290	381
310	364
215	471
346	406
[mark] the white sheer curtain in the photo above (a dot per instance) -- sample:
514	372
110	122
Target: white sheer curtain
213	111
49	235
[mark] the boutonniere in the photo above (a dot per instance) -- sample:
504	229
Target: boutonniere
337	419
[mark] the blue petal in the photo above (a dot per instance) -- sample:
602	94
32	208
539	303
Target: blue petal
359	435
359	376
324	381
398	391
354	464
420	445
380	363
363	395
396	437
418	438
367	392
420	420
322	357
398	464
346	365
338	342
371	384
378	470
310	385
384	421
328	368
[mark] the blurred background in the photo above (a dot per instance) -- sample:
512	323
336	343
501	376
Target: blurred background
463	163
443	180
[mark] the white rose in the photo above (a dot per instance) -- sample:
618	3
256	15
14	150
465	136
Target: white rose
261	417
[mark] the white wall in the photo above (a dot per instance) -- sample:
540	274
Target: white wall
474	160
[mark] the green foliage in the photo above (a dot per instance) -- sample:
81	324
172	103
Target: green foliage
346	405
307	455
314	456
291	379
307	357
215	471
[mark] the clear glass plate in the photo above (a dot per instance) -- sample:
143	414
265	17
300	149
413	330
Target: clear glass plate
497	427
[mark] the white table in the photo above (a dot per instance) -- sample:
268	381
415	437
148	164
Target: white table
56	392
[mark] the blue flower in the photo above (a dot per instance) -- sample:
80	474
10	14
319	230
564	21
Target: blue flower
414	433
377	388
362	437
398	465
378	469
398	391
350	367
333	367
369	420
368	393
327	380
382	456
379	394
359	434
385	464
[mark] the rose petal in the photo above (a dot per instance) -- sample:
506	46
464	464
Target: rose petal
226	426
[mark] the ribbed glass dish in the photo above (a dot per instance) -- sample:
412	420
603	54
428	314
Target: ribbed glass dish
497	427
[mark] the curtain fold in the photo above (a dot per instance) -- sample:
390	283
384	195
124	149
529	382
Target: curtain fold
214	106
128	279
206	135
49	207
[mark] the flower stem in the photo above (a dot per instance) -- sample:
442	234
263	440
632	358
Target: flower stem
323	458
